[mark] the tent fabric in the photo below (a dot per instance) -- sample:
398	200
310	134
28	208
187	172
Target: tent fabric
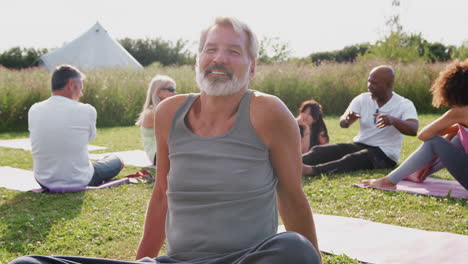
94	49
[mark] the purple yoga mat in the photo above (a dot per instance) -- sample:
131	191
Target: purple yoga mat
85	188
373	242
431	186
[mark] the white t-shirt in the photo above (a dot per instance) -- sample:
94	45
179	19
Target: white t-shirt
60	130
388	139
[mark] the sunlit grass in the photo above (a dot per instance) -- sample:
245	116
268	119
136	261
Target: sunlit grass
108	223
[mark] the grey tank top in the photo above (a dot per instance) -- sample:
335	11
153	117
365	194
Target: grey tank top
221	190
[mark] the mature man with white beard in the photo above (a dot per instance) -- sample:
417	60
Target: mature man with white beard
228	159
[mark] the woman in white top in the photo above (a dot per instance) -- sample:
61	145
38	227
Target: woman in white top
449	89
160	88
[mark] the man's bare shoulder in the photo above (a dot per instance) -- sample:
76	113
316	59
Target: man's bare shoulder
262	102
270	117
167	108
171	103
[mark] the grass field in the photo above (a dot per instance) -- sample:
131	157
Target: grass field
108	223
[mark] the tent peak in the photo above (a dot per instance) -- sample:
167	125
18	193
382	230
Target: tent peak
98	27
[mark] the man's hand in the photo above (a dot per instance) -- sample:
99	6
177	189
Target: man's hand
406	127
348	119
352	116
383	120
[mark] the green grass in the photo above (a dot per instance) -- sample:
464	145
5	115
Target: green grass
108	223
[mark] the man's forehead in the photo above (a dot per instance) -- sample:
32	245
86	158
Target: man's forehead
225	34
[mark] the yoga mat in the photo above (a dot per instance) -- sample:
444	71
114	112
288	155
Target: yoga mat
85	188
373	242
23	180
25	144
133	157
431	186
17	179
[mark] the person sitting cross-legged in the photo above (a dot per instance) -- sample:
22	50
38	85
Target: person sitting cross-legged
60	129
160	88
311	125
449	89
384	117
228	162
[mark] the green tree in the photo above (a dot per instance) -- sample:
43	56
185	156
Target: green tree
20	58
405	47
147	51
461	52
273	50
347	54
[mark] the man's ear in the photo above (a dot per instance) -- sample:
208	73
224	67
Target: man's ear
252	69
70	84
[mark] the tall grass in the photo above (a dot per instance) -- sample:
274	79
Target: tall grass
118	94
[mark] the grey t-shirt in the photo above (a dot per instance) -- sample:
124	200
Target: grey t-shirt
221	190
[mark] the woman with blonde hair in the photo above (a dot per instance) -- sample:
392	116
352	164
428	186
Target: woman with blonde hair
160	88
449	89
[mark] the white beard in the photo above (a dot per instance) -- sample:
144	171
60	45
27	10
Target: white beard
218	87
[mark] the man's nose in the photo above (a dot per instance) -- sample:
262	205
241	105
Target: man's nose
220	57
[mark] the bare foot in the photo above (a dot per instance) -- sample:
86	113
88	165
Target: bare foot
418	176
379	183
307	170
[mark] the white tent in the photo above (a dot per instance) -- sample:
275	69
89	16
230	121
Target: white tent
94	49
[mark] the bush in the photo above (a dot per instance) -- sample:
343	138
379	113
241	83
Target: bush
147	51
20	58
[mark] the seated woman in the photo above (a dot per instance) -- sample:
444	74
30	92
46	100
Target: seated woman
449	89
311	125
160	88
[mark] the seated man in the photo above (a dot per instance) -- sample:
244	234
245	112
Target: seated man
60	129
384	118
228	159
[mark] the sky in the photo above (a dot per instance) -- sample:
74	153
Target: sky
306	26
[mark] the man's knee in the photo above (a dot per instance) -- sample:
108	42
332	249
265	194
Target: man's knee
310	157
27	260
294	248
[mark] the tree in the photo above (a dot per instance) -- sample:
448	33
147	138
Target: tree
461	52
19	58
406	47
273	50
147	51
347	54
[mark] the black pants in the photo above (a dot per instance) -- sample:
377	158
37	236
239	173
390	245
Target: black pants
336	158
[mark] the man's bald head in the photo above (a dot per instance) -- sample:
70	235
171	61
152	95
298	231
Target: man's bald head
380	82
385	73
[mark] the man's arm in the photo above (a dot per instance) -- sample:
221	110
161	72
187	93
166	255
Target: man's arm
154	229
278	129
407	127
92	126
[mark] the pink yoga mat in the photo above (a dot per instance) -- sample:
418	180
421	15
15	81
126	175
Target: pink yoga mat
373	242
431	186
